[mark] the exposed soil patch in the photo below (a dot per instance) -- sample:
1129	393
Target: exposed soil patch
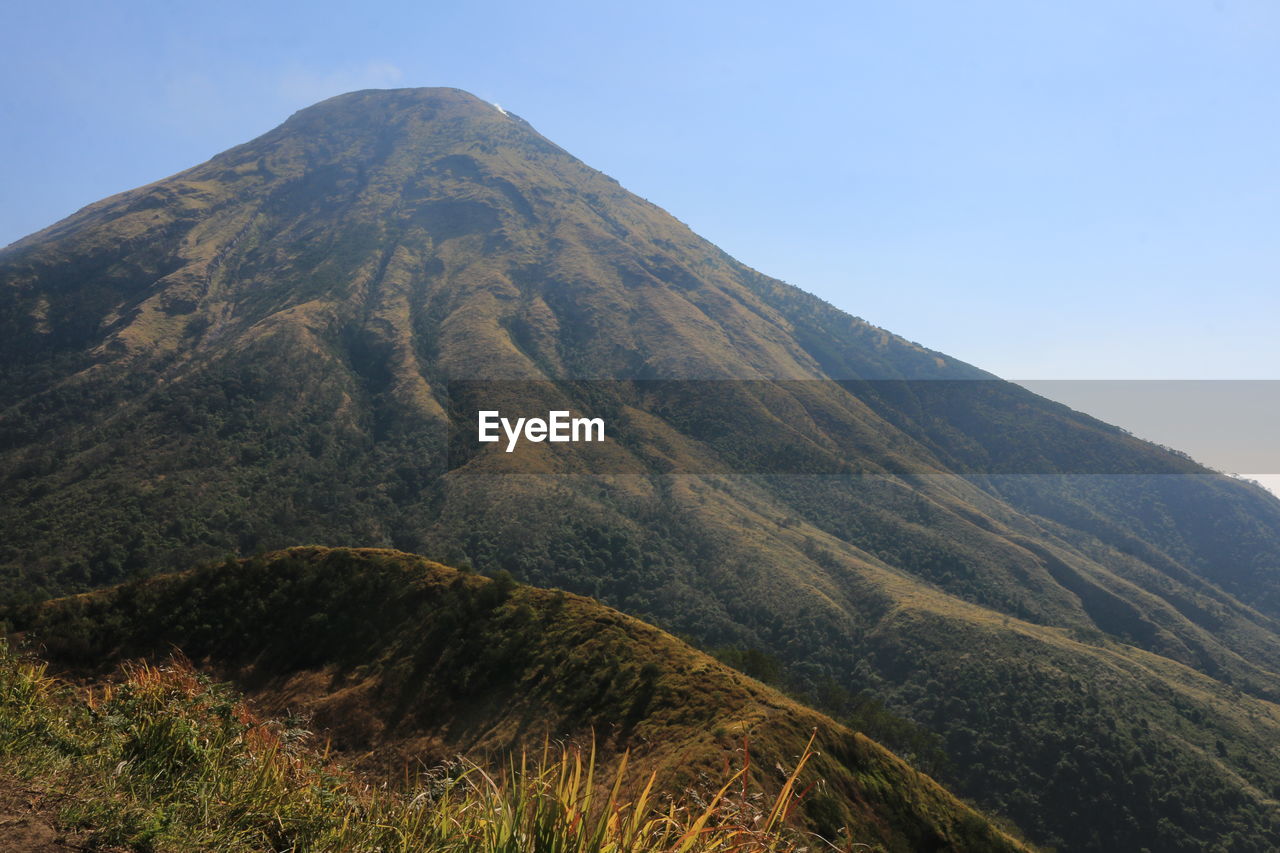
28	820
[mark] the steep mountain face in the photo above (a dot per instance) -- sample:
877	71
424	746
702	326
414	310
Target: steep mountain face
401	661
266	350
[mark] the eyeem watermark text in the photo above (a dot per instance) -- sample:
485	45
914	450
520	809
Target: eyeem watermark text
558	426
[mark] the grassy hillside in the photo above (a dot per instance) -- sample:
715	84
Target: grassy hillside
164	760
401	660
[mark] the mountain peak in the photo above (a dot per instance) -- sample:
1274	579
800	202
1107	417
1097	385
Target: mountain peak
452	205
372	123
432	102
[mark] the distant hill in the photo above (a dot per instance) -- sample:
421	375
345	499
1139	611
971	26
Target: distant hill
272	348
405	662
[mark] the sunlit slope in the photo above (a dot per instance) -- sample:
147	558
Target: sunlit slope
259	351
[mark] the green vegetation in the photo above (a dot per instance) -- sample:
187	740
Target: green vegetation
863	712
165	760
400	660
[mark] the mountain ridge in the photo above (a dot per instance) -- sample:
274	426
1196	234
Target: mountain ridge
403	662
256	353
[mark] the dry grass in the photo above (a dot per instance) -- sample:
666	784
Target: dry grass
166	760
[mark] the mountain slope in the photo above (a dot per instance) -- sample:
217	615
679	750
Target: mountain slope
410	661
272	348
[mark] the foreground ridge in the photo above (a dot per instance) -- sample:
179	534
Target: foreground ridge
165	759
402	662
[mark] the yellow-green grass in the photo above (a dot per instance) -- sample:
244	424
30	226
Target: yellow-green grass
403	661
164	759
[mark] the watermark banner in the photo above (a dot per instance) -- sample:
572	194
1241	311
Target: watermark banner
971	427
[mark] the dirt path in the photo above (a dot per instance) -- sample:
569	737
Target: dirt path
28	820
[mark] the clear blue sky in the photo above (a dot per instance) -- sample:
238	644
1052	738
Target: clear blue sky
1047	190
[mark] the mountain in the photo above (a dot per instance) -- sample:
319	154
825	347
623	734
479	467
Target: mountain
285	345
403	661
